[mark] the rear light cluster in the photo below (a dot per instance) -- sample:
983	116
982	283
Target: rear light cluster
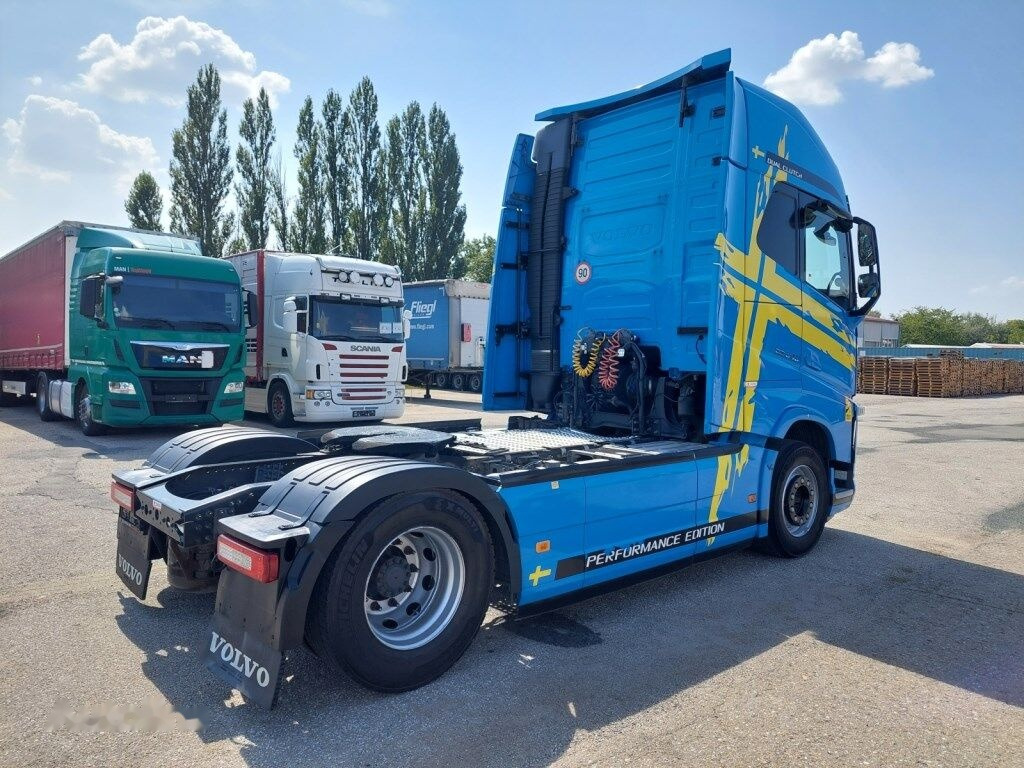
123	496
257	564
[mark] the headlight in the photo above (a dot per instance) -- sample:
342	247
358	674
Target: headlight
121	388
343	277
234	388
389	281
318	394
355	277
378	279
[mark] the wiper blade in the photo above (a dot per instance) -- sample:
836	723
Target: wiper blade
210	325
151	322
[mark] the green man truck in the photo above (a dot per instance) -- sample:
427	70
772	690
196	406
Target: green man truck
122	328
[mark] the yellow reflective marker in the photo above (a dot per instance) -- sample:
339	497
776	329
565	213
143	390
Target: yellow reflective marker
543	546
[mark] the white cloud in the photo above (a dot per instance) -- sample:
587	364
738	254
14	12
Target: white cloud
4	194
816	70
34	80
1013	282
58	140
160	62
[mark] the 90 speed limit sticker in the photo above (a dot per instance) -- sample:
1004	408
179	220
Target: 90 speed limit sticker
582	273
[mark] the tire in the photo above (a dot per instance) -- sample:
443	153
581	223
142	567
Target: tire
83	412
43	398
349	610
800	501
476	382
279	405
458	381
440	380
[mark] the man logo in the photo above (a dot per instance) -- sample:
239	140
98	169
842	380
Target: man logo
182	359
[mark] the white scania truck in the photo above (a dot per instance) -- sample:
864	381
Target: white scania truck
331	343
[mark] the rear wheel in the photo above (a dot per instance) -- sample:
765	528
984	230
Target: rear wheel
43	398
440	380
279	405
83	412
458	381
401	599
476	382
800	500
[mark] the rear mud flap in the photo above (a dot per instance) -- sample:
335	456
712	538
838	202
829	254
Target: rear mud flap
243	662
134	554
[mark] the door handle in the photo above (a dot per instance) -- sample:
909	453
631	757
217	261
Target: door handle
284	352
812	361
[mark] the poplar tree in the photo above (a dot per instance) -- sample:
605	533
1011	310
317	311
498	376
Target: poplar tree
406	146
308	227
252	157
365	170
144	204
201	166
445	220
335	170
279	210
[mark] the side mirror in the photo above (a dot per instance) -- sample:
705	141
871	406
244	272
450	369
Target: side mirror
867	244
252	310
869	286
407	323
90	298
114	281
290	320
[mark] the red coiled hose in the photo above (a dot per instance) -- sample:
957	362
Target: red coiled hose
608	369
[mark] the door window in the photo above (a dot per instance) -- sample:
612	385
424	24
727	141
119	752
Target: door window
777	234
826	256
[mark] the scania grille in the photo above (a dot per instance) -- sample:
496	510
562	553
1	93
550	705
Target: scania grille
180	397
363	368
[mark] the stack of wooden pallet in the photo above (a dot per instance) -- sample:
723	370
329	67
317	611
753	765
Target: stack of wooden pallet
955	358
872	375
902	379
934	379
972	377
1013	377
993	376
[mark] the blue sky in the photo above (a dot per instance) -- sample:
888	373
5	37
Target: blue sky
927	133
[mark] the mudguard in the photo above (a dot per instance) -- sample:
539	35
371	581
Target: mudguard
223	444
304	516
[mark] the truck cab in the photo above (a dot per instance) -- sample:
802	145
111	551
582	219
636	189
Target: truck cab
330	345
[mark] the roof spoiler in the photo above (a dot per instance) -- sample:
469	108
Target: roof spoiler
710	67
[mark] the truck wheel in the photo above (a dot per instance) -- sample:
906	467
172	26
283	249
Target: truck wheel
458	381
800	501
43	398
476	382
440	380
279	405
83	411
401	599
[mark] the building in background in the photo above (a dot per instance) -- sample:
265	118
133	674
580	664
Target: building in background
878	332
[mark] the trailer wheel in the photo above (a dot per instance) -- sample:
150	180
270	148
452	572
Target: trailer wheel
401	599
83	411
458	381
43	398
279	405
476	382
440	380
800	501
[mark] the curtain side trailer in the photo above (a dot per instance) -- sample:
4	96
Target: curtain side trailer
678	281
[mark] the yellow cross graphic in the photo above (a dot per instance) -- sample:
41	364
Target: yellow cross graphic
538	574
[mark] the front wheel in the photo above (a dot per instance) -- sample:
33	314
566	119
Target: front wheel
279	405
398	603
800	500
83	411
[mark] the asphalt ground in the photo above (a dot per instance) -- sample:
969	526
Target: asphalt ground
898	641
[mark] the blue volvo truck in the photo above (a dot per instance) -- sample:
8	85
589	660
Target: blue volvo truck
674	298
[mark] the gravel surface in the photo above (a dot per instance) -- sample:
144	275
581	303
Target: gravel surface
898	641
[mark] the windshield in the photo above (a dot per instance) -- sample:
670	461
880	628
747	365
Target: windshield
337	320
146	301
